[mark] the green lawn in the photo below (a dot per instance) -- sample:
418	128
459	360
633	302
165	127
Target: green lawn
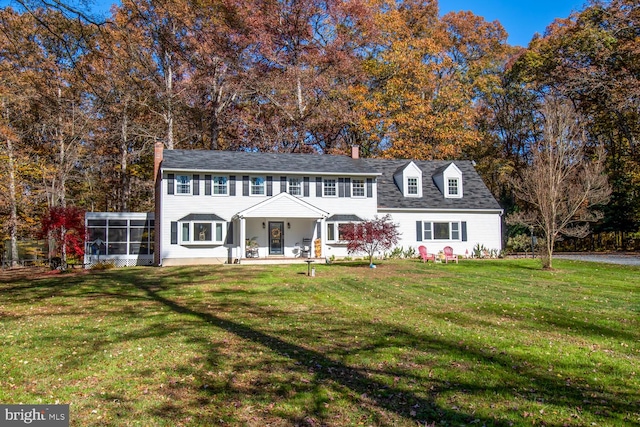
479	343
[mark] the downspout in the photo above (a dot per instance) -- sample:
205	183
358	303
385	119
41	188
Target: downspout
157	173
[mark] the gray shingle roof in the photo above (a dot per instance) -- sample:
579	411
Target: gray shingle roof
201	217
344	217
242	161
476	195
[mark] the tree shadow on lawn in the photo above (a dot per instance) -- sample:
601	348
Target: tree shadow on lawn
523	379
528	381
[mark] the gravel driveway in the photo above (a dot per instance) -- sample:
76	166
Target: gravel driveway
611	258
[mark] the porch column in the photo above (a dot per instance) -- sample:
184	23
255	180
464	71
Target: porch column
323	245
243	238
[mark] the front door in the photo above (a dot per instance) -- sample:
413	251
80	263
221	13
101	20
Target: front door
276	238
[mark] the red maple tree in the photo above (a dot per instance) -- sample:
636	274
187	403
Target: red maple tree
376	235
65	225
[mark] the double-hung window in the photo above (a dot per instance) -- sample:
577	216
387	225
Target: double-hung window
257	186
329	188
357	187
220	185
295	187
412	186
452	185
183	184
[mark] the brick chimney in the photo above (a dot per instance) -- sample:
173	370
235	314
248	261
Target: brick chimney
355	152
158	150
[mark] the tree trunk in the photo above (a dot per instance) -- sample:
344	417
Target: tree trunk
168	82
124	179
13	201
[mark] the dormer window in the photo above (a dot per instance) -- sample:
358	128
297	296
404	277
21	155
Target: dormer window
408	178
412	186
453	185
448	179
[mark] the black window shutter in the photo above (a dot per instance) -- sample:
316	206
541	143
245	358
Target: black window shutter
174	233
319	230
170	183
207	185
229	233
232	185
347	187
283	184
369	187
245	185
196	185
419	231
318	186
464	231
269	186
306	186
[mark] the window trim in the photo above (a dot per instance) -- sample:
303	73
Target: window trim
180	185
192	233
363	188
253	186
298	186
326	181
410	186
458	187
336	231
429	227
214	185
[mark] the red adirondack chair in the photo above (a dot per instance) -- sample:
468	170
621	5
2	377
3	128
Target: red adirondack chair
426	256
448	255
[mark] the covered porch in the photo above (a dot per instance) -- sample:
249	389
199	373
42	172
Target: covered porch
281	228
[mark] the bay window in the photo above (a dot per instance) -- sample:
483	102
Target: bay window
202	232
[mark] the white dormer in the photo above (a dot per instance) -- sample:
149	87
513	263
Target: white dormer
409	180
448	179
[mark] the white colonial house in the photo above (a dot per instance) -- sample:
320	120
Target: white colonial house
225	207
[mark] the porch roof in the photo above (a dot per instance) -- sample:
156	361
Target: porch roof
345	217
201	217
282	205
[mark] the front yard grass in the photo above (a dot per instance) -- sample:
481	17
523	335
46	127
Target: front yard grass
495	343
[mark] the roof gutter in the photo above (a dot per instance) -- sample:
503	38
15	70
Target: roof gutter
264	172
433	210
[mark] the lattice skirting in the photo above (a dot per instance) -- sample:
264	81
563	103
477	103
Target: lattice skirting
137	262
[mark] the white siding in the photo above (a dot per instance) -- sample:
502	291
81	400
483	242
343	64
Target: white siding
484	228
177	206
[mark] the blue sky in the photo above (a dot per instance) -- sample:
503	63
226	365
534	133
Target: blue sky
520	18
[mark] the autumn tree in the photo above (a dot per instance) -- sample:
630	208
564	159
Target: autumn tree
64	227
371	237
592	58
20	178
301	58
425	74
564	182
